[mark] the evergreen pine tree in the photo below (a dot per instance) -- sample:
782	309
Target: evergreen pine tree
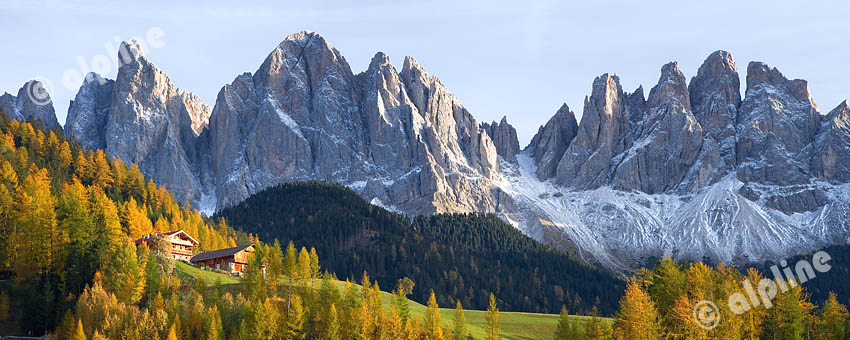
172	333
295	320
459	322
290	268
332	331
315	269
833	320
637	318
274	266
400	301
78	333
594	329
97	336
563	331
433	319
213	328
493	329
303	263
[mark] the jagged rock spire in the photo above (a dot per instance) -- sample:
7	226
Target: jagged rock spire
715	97
600	136
504	138
142	118
552	140
777	120
33	103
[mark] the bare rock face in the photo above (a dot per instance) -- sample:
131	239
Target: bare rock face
33	103
654	145
289	120
504	138
831	159
396	137
602	134
142	118
89	112
670	152
548	145
691	170
399	138
9	103
776	122
715	96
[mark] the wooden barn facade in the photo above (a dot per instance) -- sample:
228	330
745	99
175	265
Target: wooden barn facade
234	260
182	245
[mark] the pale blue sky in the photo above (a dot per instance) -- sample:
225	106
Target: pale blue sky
520	59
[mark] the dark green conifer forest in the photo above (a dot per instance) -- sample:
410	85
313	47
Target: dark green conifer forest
462	257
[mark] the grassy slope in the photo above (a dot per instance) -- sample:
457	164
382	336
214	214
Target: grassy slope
188	273
515	326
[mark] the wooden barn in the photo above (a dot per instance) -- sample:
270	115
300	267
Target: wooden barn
182	245
234	260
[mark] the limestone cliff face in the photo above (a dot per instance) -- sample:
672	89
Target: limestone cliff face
715	94
831	158
671	152
33	103
548	145
777	121
399	137
89	112
504	138
691	170
142	118
602	134
684	137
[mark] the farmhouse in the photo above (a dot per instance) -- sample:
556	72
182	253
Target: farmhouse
182	245
235	260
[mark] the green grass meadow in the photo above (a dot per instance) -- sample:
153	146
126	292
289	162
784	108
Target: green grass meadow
515	326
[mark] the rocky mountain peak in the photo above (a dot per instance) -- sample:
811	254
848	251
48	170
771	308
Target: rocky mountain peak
411	65
89	112
672	86
718	63
650	170
760	74
32	103
777	120
602	134
142	118
394	137
606	90
380	59
416	80
552	140
715	97
504	137
839	116
130	51
831	159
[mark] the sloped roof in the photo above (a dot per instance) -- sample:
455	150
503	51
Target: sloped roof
177	232
174	232
219	253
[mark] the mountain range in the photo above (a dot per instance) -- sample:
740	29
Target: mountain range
693	170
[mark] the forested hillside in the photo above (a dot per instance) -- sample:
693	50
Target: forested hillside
671	301
70	269
834	281
462	257
66	214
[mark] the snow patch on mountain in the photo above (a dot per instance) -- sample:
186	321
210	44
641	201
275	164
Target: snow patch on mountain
621	230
